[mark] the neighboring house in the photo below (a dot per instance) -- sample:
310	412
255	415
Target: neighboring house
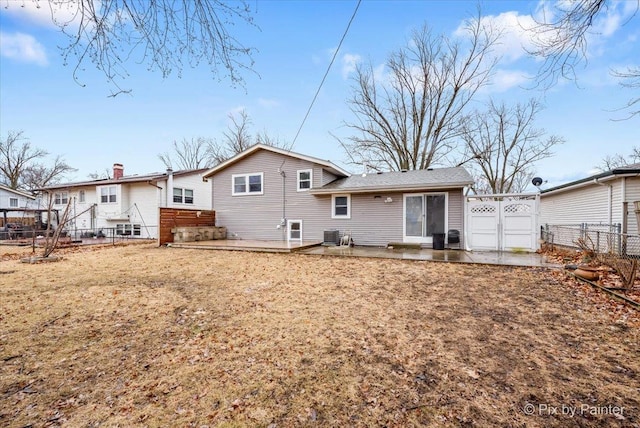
129	205
15	199
606	198
267	193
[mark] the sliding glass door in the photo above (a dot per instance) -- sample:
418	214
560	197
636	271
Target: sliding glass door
424	215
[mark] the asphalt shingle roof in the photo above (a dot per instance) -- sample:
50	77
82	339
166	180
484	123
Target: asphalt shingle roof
155	176
396	180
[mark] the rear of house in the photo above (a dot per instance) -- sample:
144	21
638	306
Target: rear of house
266	193
128	205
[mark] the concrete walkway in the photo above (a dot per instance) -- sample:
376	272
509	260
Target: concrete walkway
455	256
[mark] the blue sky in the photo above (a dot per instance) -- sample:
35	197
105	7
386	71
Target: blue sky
295	41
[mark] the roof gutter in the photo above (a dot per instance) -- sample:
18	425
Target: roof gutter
583	183
374	189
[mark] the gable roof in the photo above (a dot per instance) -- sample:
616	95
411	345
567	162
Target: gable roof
17	192
439	178
153	177
335	169
633	169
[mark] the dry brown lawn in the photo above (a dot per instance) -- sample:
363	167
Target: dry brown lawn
144	336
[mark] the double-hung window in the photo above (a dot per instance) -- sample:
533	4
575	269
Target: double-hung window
305	177
247	184
128	229
182	196
108	194
60	198
13	202
340	206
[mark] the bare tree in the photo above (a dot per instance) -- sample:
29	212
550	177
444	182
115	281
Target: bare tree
502	145
164	34
39	175
630	79
19	166
237	137
106	175
562	44
206	152
409	119
618	160
191	154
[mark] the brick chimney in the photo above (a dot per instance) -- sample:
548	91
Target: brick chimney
118	171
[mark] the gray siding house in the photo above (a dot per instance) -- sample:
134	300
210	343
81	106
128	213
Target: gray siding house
267	193
607	198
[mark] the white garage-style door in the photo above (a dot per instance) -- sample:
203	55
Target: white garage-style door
502	222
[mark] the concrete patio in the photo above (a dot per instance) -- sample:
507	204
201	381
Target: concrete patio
315	248
454	256
248	245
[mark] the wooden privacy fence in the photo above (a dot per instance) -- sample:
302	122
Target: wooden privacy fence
171	218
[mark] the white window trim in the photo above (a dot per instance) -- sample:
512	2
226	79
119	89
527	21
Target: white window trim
247	192
108	194
423	239
289	238
333	206
17	202
310	171
62	200
183	196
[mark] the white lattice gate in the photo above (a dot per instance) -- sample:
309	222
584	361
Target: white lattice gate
502	222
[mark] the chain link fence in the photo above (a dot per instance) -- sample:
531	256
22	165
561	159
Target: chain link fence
601	238
606	241
25	234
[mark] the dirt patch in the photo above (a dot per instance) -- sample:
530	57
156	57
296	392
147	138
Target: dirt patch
140	335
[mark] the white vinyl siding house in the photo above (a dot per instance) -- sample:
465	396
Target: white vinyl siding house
10	198
130	205
606	198
302	197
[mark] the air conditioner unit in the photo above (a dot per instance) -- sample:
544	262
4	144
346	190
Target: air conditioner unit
331	237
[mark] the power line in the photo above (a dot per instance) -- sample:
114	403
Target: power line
335	54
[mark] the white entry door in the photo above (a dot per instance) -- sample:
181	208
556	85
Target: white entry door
424	215
294	228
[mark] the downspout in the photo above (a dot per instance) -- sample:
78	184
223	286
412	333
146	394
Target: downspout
169	191
625	207
159	200
283	221
609	200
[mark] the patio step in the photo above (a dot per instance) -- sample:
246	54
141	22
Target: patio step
404	245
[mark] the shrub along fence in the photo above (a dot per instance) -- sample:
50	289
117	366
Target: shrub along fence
605	242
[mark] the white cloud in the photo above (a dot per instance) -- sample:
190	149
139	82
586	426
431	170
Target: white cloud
267	103
23	48
349	64
44	13
503	80
516	37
